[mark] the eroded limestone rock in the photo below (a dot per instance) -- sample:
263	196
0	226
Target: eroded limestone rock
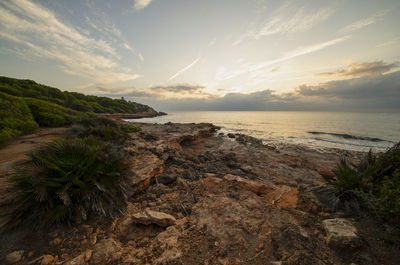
153	217
341	233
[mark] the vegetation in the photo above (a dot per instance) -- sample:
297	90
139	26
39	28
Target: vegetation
104	129
374	184
48	114
25	105
72	100
66	180
15	118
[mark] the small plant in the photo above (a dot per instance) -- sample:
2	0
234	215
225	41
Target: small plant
374	184
69	179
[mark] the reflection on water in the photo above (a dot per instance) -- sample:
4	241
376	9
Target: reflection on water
295	127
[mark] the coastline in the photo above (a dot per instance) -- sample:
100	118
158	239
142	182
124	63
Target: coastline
198	196
139	115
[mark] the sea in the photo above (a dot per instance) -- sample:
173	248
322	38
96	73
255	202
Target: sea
358	131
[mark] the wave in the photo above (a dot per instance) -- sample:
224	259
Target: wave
349	143
349	136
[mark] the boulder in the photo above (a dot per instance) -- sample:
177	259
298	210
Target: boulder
341	233
153	217
15	256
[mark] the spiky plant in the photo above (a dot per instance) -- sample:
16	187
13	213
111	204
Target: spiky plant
374	184
69	179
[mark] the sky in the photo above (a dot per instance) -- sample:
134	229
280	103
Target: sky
210	54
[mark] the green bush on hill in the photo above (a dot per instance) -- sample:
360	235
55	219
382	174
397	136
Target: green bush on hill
48	114
15	118
374	183
72	100
68	180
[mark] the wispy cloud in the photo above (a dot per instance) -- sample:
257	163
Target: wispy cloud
141	58
246	68
363	69
176	91
140	4
359	24
284	21
387	43
34	27
184	69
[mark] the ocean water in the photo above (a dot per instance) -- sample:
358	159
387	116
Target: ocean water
358	131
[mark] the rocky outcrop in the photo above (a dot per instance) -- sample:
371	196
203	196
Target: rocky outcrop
341	233
199	198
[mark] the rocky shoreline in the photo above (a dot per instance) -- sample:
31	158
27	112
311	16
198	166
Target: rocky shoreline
197	197
139	115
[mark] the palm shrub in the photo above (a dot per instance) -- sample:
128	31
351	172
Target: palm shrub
374	183
67	180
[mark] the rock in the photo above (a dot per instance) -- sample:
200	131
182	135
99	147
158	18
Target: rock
15	256
231	135
47	260
153	217
103	251
145	167
166	179
210	175
341	233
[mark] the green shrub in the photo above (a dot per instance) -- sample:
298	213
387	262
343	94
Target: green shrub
104	129
15	118
375	183
48	114
128	128
68	180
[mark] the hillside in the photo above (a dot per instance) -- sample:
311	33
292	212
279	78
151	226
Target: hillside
72	100
26	105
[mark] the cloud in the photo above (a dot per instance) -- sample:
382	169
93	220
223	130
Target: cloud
285	21
382	91
184	69
359	24
363	69
388	43
141	58
140	4
34	27
362	93
187	88
161	92
251	68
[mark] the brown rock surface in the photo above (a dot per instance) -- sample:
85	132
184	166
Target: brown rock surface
220	201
